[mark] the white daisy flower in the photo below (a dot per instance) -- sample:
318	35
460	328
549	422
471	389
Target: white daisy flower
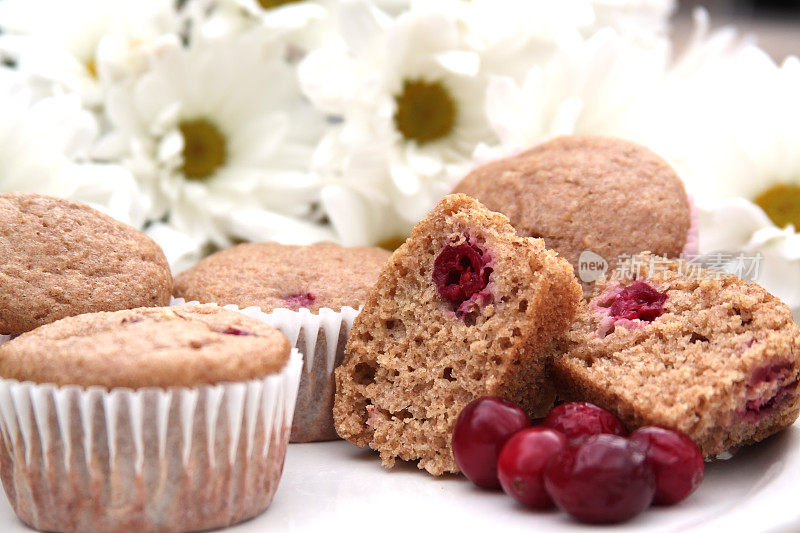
44	146
76	44
408	91
588	87
747	176
181	249
220	138
635	17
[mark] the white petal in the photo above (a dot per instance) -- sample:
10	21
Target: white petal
260	225
728	224
459	62
182	250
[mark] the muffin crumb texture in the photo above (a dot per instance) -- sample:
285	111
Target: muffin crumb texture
720	362
464	308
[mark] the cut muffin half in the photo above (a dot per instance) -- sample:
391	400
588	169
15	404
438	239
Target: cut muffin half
686	348
465	308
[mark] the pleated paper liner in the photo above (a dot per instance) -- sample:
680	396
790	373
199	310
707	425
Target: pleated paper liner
177	459
321	338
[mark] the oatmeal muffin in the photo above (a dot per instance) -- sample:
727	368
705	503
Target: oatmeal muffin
61	258
465	308
699	351
588	194
151	419
311	293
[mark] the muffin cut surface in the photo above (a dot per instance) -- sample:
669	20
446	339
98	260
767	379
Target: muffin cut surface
465	308
707	354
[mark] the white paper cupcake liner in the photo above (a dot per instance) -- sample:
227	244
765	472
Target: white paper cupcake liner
177	459
321	338
4	338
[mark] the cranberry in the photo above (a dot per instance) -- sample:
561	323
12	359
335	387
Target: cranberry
578	420
602	480
757	408
482	428
676	461
638	300
296	301
236	331
459	272
522	462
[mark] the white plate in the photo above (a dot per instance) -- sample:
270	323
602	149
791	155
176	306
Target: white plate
329	487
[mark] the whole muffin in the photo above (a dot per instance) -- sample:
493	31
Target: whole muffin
271	276
151	419
311	293
60	258
604	196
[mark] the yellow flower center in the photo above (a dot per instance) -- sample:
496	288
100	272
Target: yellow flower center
781	203
204	148
392	243
91	68
269	4
425	111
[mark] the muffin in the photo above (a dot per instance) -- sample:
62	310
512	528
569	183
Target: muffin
690	349
592	199
152	419
62	258
311	293
465	308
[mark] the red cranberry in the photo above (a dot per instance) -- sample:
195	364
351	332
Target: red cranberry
578	420
602	480
296	301
459	272
676	461
522	462
638	300
482	428
236	331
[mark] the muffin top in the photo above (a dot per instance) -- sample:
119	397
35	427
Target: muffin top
271	276
181	346
60	258
607	196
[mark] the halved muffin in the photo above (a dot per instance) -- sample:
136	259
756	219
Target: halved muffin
465	308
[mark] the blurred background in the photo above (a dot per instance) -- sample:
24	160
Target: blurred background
774	23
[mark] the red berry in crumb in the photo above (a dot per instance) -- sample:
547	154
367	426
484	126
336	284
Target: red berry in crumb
522	462
579	420
676	461
459	272
482	428
602	480
638	301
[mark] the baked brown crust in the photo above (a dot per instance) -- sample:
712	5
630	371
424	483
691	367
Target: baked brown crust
181	346
271	275
412	363
721	343
578	193
60	258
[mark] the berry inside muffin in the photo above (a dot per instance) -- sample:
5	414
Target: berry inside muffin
465	308
694	350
